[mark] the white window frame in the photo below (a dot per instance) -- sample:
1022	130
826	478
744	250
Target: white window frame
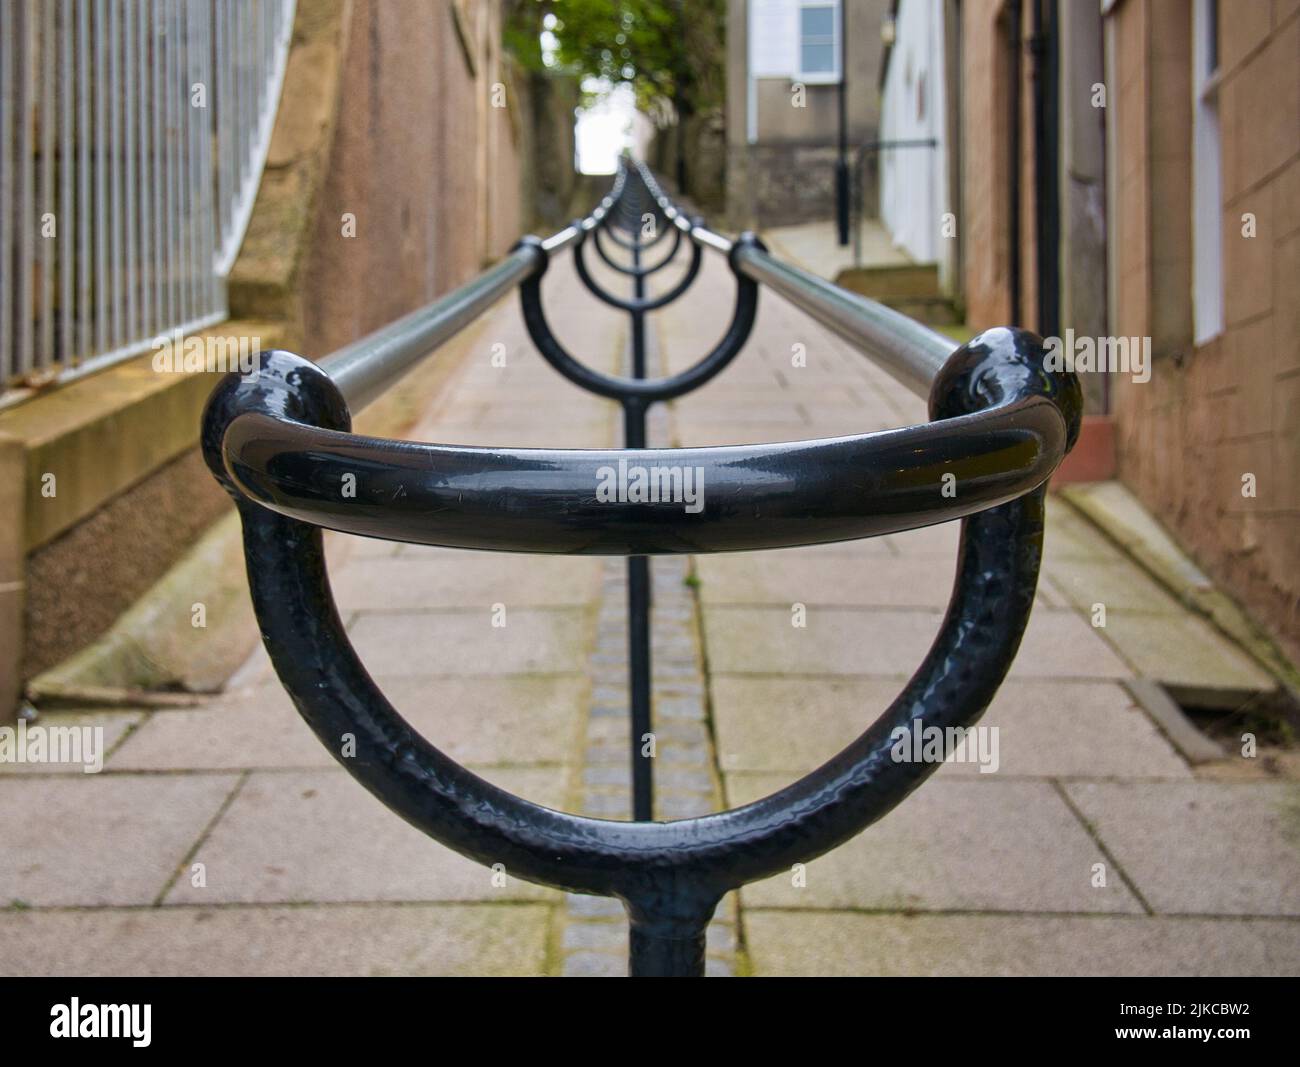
1207	182
821	77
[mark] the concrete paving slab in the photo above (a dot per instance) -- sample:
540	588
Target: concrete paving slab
1222	848
1183	650
823	579
315	941
718	432
561	435
458	643
1061	644
250	728
318	836
1120	587
107	730
782	414
521	719
744	640
100	839
953	845
405	583
844	944
1045	728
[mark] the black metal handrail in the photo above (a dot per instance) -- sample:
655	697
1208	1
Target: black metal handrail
280	443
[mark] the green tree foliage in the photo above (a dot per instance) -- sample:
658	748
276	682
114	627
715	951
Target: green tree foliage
665	49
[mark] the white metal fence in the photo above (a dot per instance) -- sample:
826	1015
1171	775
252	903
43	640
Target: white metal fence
132	139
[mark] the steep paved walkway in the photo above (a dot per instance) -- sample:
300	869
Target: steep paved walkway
224	839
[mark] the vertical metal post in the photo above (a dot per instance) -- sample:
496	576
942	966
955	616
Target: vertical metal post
9	22
638	317
638	584
666	950
67	167
49	201
84	211
26	247
842	164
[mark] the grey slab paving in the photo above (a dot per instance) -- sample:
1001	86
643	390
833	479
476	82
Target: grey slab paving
1183	650
561	435
789	415
795	576
842	944
459	643
498	407
348	940
1045	728
1120	587
318	836
1062	644
836	640
100	839
953	845
108	729
1069	539
1223	848
406	583
517	719
712	432
251	728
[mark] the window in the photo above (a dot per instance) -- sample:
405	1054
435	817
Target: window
1207	175
819	42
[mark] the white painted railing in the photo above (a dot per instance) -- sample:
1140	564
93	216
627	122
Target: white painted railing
132	139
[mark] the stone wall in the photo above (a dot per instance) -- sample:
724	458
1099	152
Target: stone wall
785	184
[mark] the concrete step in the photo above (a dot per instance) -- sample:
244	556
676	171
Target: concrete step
886	283
912	289
934	311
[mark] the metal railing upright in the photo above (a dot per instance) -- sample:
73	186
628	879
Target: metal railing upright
279	441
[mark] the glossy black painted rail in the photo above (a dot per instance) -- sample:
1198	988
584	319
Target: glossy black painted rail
281	444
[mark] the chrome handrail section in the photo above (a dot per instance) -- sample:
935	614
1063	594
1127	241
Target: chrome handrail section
367	368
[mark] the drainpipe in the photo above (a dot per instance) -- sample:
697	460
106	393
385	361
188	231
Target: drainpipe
1013	191
842	165
1047	209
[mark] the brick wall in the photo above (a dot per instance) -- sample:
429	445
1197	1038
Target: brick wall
1215	412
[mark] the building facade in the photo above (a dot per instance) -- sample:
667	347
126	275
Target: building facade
786	60
1128	174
